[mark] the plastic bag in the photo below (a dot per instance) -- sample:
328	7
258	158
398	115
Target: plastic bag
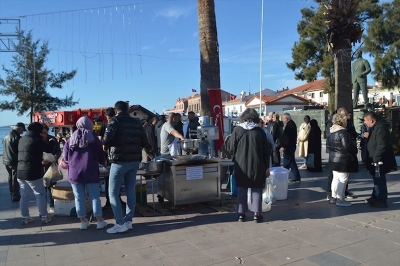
268	195
52	175
264	206
48	157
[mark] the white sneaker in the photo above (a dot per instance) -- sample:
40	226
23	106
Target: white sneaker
26	220
303	166
51	210
333	200
343	203
46	219
129	225
101	224
85	225
118	228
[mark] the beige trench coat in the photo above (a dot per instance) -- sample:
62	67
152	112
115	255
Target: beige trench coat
303	139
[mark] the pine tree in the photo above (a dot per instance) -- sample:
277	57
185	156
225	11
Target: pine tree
317	31
383	43
28	80
310	57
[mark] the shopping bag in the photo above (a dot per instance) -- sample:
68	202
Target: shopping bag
48	157
268	195
310	160
264	207
52	175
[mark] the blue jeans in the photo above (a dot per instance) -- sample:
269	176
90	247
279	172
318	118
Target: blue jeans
80	198
123	172
379	191
289	162
49	197
38	189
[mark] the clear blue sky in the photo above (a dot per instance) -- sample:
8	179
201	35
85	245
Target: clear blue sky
105	45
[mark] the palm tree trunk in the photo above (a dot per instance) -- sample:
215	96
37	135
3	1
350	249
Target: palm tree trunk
343	85
209	53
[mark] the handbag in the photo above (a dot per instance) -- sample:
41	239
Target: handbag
310	160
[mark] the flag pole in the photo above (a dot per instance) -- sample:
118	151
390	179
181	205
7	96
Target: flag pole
261	51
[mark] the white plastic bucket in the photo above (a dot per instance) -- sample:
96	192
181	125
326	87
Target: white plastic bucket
280	179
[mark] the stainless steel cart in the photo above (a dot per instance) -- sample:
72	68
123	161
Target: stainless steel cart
188	180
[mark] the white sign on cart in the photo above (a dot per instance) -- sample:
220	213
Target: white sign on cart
195	172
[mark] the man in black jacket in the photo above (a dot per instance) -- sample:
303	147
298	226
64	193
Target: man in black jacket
287	144
125	138
10	158
380	158
110	112
276	132
30	171
190	129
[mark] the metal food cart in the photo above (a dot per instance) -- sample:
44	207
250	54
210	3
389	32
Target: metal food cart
189	179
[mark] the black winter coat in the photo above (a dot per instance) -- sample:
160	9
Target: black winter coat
276	131
379	148
288	140
125	137
350	128
30	154
10	148
252	152
342	152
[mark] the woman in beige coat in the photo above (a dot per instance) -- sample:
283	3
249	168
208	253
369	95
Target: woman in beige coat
302	137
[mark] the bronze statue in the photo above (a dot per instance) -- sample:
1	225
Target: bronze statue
361	69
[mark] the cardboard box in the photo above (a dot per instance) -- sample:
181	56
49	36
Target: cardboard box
67	207
62	193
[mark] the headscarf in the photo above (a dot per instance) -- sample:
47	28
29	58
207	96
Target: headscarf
83	135
248	125
314	125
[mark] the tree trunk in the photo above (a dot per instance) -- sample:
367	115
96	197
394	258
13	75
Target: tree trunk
343	85
209	53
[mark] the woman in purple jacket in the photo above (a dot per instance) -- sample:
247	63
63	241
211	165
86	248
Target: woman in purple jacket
83	152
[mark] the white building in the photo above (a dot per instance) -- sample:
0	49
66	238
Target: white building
237	106
276	103
313	91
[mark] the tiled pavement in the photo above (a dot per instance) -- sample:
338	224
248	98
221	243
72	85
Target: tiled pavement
303	230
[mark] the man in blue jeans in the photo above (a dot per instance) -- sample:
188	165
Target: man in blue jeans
125	138
288	142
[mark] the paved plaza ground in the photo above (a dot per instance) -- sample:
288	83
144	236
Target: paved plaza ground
302	230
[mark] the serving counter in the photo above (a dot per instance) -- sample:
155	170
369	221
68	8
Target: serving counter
189	179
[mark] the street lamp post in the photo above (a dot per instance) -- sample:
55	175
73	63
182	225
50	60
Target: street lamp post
261	51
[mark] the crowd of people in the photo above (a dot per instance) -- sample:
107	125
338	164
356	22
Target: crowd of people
253	154
255	145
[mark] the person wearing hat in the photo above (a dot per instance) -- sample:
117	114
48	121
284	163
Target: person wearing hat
30	171
10	158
